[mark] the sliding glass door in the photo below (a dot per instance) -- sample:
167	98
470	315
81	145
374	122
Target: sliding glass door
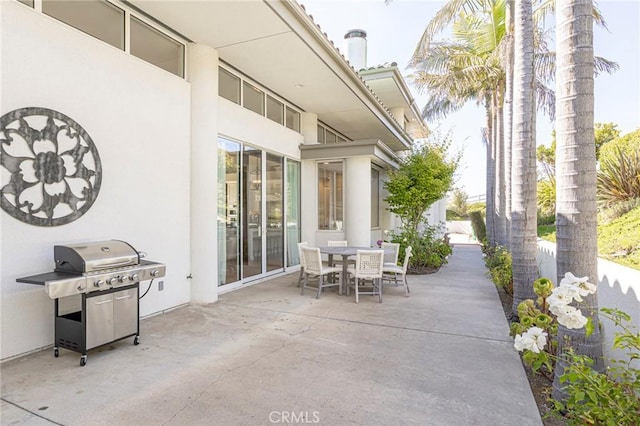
252	214
274	216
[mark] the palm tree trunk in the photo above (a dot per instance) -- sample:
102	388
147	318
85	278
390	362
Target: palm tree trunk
501	224
523	167
576	212
490	180
508	121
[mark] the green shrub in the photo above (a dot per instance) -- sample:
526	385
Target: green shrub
611	398
499	262
479	206
547	197
428	252
627	143
619	177
546	219
477	223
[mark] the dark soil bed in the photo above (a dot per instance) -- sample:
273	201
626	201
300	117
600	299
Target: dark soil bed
540	385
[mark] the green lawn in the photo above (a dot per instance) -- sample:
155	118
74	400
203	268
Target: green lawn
618	241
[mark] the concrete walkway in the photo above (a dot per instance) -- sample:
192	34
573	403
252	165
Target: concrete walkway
267	355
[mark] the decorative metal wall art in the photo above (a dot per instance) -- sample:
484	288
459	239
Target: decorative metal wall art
51	165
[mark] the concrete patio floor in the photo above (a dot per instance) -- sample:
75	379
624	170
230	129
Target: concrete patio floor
267	355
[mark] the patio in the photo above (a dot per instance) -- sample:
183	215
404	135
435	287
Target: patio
265	354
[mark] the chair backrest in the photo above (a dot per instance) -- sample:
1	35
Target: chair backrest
407	254
369	263
391	251
300	245
336	243
312	260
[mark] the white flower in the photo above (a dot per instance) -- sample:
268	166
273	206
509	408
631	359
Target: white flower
534	339
570	279
560	296
559	310
586	288
573	320
519	343
539	338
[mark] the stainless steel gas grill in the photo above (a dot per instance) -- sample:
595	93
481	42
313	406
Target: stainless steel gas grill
98	284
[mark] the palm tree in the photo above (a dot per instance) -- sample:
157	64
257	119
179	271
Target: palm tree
576	209
507	60
523	167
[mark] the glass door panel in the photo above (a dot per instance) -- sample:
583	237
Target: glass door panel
252	212
228	211
274	216
293	212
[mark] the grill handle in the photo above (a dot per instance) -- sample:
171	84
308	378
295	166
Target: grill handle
142	254
116	264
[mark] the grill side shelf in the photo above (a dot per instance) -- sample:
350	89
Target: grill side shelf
42	279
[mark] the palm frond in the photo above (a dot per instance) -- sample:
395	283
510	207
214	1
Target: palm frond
544	64
604	65
545	100
444	17
438	108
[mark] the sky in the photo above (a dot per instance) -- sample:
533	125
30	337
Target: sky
393	32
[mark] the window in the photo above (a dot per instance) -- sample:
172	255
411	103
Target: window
275	110
228	86
375	198
252	98
331	137
98	18
293	119
156	48
330	194
320	134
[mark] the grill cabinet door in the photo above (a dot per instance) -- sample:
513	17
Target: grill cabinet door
99	320
125	313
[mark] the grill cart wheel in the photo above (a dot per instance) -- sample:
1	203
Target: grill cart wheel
136	340
56	352
83	360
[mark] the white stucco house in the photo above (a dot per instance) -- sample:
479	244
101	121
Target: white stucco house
223	133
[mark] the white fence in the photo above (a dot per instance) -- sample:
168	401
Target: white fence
618	287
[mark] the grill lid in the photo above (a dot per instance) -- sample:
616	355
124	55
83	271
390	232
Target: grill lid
94	256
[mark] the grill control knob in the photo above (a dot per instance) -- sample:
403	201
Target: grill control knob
98	283
112	280
123	278
134	277
154	273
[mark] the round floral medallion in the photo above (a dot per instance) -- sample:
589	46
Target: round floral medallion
51	170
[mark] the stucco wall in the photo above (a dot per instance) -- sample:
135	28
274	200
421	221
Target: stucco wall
618	287
138	118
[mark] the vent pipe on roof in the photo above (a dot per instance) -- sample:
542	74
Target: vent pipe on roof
355	48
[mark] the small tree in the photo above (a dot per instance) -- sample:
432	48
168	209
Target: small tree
424	177
458	203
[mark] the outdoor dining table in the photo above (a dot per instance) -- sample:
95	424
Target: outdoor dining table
345	252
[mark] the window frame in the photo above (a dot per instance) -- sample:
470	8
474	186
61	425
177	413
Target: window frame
335	210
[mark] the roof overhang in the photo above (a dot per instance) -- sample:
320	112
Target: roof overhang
389	84
279	46
379	153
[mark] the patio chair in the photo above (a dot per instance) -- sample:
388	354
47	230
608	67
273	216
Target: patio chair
367	273
301	276
392	271
391	251
313	267
338	243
